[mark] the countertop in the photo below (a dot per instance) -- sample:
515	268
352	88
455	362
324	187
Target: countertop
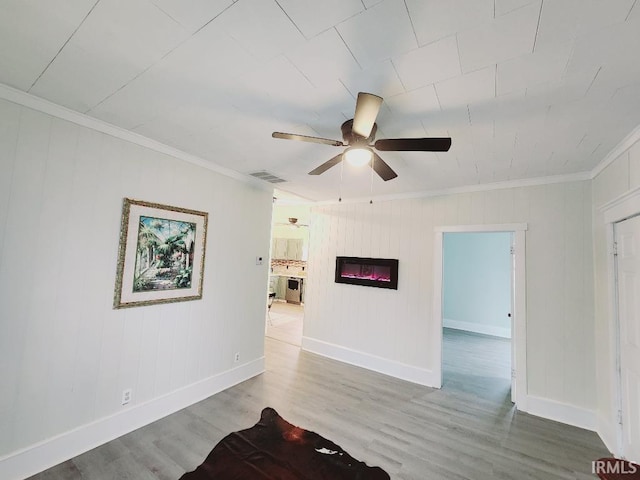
286	275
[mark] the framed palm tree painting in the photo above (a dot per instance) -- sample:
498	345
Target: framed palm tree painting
161	254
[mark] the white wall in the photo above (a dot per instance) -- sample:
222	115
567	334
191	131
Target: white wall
394	331
620	177
476	284
65	354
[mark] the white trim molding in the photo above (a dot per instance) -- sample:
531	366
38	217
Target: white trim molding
519	332
45	454
608	433
481	187
503	227
392	368
621	208
44	106
480	328
562	412
626	143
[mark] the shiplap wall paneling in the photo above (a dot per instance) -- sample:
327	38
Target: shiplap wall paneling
400	328
621	177
65	354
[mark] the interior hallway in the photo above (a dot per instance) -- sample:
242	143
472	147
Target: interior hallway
284	322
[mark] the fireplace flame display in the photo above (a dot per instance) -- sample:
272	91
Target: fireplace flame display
368	272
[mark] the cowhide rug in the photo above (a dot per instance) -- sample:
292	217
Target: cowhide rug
275	449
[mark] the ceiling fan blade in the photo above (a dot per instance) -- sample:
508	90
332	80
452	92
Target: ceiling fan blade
382	168
326	165
306	138
413	144
367	108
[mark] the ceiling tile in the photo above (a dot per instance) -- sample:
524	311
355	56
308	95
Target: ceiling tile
570	87
505	6
262	28
472	87
31	34
324	58
313	17
504	38
111	35
380	79
384	31
280	81
546	65
402	115
608	48
435	19
420	101
249	70
562	20
193	14
429	64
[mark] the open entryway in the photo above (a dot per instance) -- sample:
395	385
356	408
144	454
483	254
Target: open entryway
477	297
288	268
479	300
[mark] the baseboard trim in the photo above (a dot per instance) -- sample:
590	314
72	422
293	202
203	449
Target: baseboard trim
477	328
562	412
36	458
392	368
607	432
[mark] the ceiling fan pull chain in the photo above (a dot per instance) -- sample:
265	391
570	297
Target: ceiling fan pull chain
341	173
373	160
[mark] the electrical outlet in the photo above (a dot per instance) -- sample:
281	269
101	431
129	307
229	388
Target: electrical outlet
126	396
259	260
236	357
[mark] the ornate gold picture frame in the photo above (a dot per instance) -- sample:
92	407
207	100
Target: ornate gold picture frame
161	254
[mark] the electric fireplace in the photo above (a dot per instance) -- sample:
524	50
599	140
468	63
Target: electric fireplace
370	272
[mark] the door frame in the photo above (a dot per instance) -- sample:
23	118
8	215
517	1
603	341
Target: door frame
615	211
518	316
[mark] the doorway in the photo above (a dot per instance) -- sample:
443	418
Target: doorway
288	268
477	299
517	321
627	286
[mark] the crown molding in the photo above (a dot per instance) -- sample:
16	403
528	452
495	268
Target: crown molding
626	143
483	187
33	102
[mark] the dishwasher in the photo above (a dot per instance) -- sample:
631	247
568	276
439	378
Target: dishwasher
294	290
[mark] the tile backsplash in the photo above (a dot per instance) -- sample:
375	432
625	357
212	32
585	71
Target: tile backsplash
288	267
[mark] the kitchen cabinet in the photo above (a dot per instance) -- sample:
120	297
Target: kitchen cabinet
279	248
287	248
294	249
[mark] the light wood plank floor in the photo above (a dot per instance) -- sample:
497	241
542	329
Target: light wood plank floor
284	322
467	430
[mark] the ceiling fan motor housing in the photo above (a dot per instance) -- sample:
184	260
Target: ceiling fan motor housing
352	138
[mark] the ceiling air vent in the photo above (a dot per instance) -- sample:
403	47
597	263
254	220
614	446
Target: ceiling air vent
267	177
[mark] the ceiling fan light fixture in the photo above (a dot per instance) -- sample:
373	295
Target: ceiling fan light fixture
358	156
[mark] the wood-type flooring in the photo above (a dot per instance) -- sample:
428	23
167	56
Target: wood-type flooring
467	430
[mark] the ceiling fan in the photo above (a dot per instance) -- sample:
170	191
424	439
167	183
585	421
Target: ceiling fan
293	222
359	135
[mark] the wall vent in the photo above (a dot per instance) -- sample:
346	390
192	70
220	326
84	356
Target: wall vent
267	177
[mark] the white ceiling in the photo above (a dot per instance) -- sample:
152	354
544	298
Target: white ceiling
524	88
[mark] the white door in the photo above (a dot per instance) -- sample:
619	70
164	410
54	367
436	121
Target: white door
627	237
